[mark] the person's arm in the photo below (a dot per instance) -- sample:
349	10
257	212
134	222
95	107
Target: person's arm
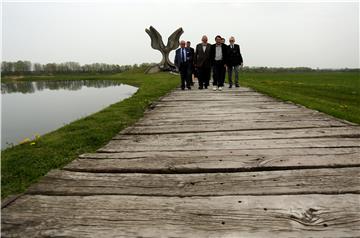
225	54
241	58
176	62
212	55
195	56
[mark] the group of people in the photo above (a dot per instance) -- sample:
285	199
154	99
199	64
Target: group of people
218	57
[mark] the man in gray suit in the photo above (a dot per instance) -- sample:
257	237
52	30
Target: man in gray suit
202	62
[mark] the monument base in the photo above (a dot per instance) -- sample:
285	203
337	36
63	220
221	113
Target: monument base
157	68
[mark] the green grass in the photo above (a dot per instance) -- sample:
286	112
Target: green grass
24	164
335	93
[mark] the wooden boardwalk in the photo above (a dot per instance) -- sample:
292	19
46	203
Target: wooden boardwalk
200	163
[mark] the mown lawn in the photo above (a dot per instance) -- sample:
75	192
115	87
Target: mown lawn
335	93
24	164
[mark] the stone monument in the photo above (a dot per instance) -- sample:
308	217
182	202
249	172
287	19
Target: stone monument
158	44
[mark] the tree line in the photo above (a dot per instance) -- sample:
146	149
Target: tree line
26	67
21	67
293	70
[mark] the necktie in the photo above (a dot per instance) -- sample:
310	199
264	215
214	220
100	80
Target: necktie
183	56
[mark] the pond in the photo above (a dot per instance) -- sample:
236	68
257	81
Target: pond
35	108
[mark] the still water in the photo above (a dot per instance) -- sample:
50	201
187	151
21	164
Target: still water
35	108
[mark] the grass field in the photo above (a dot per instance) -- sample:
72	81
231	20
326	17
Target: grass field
335	93
23	165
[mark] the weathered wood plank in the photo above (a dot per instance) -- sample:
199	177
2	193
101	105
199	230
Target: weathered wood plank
221	110
229	104
118	145
229	216
231	126
226	116
224	120
229	118
180	114
228	108
334	132
216	160
304	181
205	99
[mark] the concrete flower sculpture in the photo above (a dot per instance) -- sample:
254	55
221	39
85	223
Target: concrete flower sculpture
158	44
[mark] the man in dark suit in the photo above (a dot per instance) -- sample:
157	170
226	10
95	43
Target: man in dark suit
202	62
192	51
183	64
218	59
234	61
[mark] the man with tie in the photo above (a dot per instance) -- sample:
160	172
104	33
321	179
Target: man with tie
234	62
183	64
218	58
202	62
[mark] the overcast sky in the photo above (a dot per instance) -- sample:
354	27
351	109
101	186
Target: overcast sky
280	34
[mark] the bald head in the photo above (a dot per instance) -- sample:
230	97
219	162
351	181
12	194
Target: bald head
232	40
204	39
182	44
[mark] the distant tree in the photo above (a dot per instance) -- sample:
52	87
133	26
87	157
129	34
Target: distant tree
22	66
38	68
50	68
7	67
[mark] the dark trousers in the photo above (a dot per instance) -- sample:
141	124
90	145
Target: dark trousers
234	69
185	75
219	73
204	76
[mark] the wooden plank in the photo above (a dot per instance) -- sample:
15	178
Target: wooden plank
118	145
229	104
232	117
228	119
205	99
216	160
228	108
231	126
224	116
304	181
334	132
225	216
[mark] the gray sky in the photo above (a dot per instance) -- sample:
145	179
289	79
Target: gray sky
280	34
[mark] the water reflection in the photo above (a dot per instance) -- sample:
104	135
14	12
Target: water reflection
31	108
31	86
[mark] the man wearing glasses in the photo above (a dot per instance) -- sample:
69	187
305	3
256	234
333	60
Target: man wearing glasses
235	61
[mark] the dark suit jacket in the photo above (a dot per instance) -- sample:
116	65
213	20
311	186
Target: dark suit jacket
202	59
212	53
234	56
177	60
192	53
